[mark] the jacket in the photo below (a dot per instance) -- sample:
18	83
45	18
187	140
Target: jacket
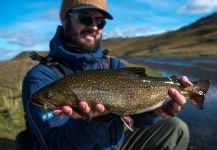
62	132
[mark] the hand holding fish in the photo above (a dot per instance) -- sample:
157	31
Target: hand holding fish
122	92
84	108
178	100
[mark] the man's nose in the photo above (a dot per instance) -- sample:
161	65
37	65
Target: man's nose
94	26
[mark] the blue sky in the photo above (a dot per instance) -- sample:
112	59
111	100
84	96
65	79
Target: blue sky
30	24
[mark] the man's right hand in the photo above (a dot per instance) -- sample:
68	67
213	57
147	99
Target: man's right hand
84	108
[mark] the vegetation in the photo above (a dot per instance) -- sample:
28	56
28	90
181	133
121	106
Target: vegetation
11	109
197	39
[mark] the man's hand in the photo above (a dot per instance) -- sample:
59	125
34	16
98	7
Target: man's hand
85	110
178	100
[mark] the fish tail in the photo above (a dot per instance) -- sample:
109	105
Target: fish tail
197	97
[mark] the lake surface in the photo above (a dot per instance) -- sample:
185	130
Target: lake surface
202	123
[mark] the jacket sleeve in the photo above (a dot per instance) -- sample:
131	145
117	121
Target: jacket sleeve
36	78
116	63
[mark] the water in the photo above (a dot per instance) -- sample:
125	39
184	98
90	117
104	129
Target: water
202	123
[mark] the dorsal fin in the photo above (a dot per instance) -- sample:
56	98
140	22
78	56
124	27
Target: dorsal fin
135	70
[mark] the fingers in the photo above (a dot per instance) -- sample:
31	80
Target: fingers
100	108
86	111
168	109
178	101
84	107
177	97
67	110
57	112
175	107
184	81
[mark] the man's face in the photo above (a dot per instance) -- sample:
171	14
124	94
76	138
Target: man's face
87	37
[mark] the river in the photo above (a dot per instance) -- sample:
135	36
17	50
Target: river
202	123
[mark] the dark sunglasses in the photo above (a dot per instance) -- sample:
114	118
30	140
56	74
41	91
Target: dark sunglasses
88	19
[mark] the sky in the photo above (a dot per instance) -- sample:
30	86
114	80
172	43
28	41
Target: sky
30	24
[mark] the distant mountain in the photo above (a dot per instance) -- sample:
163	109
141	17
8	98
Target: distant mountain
196	39
205	21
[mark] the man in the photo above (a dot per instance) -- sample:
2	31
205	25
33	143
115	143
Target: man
77	43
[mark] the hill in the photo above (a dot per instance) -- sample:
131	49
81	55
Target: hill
196	39
26	54
11	111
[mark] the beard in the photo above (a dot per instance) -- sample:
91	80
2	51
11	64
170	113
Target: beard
72	39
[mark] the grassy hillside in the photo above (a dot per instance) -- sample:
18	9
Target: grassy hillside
196	39
11	111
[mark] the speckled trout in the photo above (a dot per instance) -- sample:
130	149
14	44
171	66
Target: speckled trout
122	91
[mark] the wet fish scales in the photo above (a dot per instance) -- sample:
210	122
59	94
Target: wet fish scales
121	91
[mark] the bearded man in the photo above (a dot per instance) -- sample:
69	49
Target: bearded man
77	45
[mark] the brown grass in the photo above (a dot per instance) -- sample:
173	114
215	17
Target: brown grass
11	109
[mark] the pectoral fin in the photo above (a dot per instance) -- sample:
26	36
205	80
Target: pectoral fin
128	121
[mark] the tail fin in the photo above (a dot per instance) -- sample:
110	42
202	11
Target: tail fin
201	87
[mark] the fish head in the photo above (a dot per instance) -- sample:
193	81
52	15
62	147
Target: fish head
53	97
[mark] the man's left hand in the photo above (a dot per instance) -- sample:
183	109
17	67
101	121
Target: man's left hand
178	100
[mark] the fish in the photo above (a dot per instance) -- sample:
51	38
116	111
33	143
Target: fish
123	92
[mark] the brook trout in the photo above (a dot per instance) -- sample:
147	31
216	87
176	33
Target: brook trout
122	91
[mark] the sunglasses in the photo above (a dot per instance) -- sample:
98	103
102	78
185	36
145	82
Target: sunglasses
88	19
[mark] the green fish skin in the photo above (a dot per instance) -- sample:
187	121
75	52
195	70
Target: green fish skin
122	91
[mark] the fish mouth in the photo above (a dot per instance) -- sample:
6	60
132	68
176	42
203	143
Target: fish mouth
44	103
49	105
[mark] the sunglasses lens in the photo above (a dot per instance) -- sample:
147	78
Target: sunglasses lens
100	23
87	20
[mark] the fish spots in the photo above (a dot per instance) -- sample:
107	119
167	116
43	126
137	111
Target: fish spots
169	82
146	81
200	93
119	91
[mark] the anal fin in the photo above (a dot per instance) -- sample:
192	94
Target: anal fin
128	122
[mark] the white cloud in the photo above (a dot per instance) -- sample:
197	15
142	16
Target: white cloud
22	38
199	6
160	4
133	32
32	31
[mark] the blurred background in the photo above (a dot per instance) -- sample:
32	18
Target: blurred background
168	37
